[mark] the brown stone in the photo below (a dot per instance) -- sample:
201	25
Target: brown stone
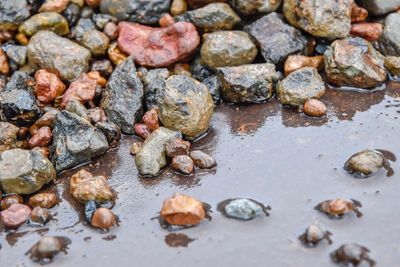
182	210
166	20
22	38
202	160
142	130
39	216
358	14
103	218
314	108
33	129
135	147
9	200
392	64
111	30
115	54
339	207
181	69
183	163
295	62
16	215
82	89
158	47
93	3
199	3
42	138
47	119
177	146
43	200
48	86
95	75
150	118
22	133
4	66
8	135
44	150
178	7
369	31
54	5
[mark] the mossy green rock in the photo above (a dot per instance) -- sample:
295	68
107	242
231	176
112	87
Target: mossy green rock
50	21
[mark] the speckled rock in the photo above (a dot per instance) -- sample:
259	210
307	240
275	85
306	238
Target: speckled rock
17	101
295	62
8	135
392	64
322	18
389	42
76	107
299	86
17	54
111	131
212	17
248	83
12	13
276	39
214	86
72	14
43	200
250	7
50	21
153	81
97	42
24	171
83	26
366	162
54	5
122	98
178	7
144	11
380	7
183	164
82	89
243	209
185	105
48	86
227	48
47	50
151	157
86	187
354	62
69	148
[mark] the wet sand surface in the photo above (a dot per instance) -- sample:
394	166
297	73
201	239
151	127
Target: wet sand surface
265	152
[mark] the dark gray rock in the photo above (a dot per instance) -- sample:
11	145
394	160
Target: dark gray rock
276	39
389	42
102	19
24	171
151	157
96	41
47	50
17	101
144	11
75	141
76	107
83	26
12	13
380	7
212	17
251	83
250	7
111	131
122	98
354	62
299	86
185	105
214	86
153	81
72	13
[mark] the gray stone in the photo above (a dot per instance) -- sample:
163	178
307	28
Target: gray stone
47	50
389	42
96	41
214	86
276	39
24	171
299	86
122	98
75	141
17	53
82	26
243	209
12	13
250	7
248	83
380	7
76	107
153	81
151	157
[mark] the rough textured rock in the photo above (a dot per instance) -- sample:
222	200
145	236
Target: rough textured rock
75	141
322	18
380	7
368	30
17	54
178	7
47	50
82	89
4	66
144	11
111	131
39	216
212	17
151	157
24	171
183	163
358	14
243	209
17	101
296	62
392	64
389	42
299	86
354	62
202	160
248	83
214	86
43	200
227	48
185	105
49	21
42	138
12	13
72	14
85	187
176	146
11	199
8	135
199	3
122	98
48	86
250	7
158	47
83	26
96	41
150	118
76	107
276	39
153	81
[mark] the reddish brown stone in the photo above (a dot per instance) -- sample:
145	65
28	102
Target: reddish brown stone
183	163
295	62
40	216
314	108
22	38
33	129
43	200
103	218
48	86
95	75
150	118
54	5
111	30
42	138
82	89
142	130
358	13
93	3
4	66
158	47
16	215
9	200
47	119
176	146
369	31
166	20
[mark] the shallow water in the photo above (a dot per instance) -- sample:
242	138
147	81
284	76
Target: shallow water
264	152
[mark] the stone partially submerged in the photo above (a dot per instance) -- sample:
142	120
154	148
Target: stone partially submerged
122	98
75	141
24	171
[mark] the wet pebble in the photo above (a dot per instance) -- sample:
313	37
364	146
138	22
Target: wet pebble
242	208
111	30
4	66
250	7
150	118
183	163
177	240
111	131
352	254
12	13
367	162
368	30
337	208
42	138
39	216
50	21
135	147
82	89
54	5
103	219
388	43
392	64
295	62
202	160
8	135
47	247
43	200
314	235
358	14
178	7
177	146
76	107
314	108
9	200
48	86
96	41
16	215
